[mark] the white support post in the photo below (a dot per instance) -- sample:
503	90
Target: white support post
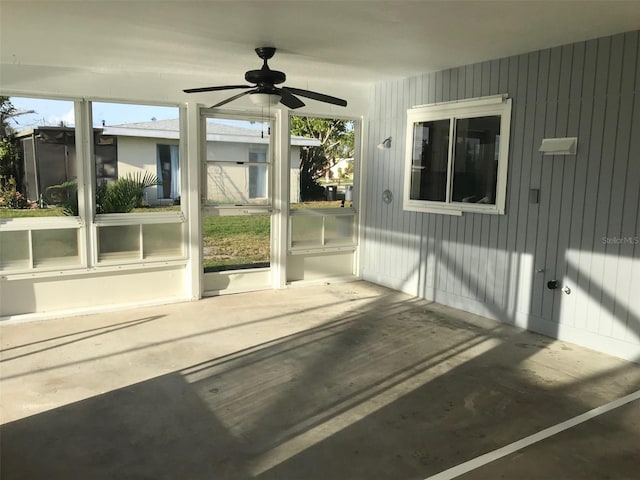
280	217
86	184
190	155
360	153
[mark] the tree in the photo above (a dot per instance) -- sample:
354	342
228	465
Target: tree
9	145
10	155
336	142
7	111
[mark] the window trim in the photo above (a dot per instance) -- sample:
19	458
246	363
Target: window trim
470	108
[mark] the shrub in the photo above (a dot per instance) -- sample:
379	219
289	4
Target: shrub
65	195
13	199
125	194
10	197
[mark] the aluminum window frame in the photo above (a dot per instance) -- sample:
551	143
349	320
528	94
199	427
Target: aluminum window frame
87	222
497	105
355	210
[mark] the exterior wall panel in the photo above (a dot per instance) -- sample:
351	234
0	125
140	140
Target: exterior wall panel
585	228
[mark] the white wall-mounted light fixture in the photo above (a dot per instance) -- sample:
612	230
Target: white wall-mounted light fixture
559	146
385	144
264	99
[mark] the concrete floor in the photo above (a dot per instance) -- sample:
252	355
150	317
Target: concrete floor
349	381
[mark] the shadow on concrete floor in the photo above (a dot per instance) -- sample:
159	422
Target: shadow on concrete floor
399	391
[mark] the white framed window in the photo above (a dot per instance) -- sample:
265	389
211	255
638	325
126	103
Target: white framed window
50	179
323	155
38	175
457	156
137	158
40	226
137	181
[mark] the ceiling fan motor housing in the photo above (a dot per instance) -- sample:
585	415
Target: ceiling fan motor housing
265	76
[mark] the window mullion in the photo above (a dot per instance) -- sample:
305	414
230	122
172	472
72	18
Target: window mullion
451	157
140	242
85	165
31	255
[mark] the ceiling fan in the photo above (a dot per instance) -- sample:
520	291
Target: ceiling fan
265	92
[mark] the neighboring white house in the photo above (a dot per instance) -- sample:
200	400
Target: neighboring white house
237	171
238	160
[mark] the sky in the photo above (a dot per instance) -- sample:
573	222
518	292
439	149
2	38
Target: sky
52	112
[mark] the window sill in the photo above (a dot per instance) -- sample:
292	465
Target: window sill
84	271
117	219
456	209
40	223
301	250
322	212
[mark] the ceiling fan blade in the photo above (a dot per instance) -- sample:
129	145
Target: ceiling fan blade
215	89
289	100
231	99
317	96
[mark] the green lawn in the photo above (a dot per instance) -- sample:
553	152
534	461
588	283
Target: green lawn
57	211
236	240
31	212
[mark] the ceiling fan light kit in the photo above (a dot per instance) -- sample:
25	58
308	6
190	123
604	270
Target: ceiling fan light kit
265	99
264	92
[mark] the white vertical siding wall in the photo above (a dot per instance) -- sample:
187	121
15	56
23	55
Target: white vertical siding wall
489	264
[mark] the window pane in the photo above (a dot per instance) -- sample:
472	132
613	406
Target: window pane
306	231
429	161
321	172
119	243
162	240
55	247
14	250
338	230
257	182
236	242
476	160
234	147
137	157
38	174
232	184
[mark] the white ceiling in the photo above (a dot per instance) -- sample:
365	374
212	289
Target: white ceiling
319	42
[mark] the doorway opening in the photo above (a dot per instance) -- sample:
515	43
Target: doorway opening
236	203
